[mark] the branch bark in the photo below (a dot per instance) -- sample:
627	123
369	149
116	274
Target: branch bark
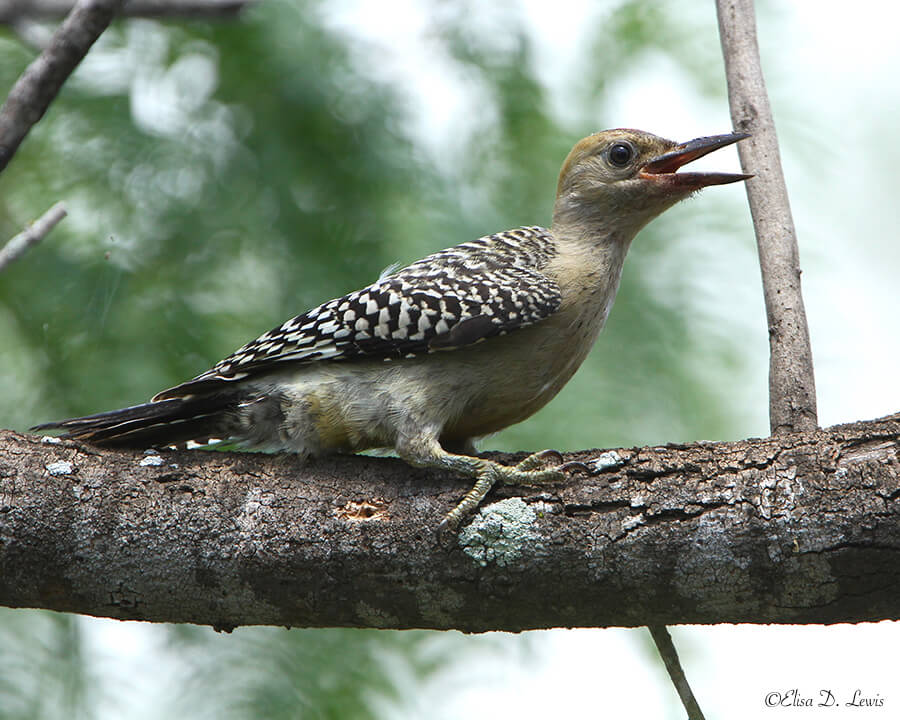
792	387
802	528
42	80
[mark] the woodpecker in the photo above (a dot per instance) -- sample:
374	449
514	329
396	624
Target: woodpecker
456	346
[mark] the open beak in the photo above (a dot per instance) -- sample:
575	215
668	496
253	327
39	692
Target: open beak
663	169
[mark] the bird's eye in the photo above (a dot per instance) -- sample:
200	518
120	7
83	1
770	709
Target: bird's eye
620	154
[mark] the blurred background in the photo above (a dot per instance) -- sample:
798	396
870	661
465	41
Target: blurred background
223	176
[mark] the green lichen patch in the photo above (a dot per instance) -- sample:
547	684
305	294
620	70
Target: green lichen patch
500	533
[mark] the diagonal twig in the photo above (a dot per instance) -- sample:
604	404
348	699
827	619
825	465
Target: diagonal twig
31	235
40	83
669	655
15	11
792	385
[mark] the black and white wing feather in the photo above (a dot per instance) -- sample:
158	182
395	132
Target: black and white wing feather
451	299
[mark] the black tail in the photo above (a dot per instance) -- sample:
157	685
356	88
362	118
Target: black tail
197	418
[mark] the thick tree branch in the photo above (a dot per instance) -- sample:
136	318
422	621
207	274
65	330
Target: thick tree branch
32	235
801	528
792	387
42	80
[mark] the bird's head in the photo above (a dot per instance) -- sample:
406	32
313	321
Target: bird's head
622	179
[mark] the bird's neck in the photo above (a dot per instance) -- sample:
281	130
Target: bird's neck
589	265
576	216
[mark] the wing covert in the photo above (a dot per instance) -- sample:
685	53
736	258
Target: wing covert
451	299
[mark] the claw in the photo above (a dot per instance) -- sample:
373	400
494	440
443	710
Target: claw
540	459
555	454
576	466
444	528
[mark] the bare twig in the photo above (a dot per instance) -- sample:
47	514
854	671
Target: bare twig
669	657
31	235
792	386
43	78
14	11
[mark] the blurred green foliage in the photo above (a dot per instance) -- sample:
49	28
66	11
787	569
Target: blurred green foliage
279	675
223	177
44	669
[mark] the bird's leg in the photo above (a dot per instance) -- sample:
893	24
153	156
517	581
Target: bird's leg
427	452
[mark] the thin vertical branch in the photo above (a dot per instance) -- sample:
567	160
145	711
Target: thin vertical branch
792	385
41	82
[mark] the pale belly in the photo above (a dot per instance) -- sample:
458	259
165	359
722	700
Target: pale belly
454	395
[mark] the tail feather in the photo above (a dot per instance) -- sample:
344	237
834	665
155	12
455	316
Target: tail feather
197	418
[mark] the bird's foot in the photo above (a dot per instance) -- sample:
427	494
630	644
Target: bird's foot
541	468
551	460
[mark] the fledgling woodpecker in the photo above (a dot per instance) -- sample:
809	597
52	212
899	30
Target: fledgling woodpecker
458	345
